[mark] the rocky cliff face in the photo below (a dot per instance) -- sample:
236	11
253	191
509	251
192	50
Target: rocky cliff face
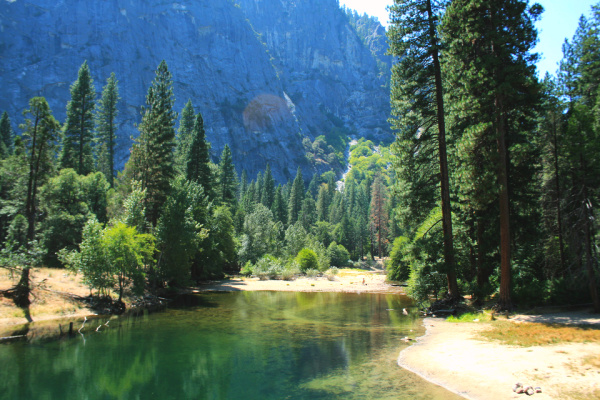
264	74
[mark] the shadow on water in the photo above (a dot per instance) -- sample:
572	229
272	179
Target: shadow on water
192	301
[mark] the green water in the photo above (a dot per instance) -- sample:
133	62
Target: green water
240	345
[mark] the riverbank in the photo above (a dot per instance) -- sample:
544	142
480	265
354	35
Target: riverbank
56	293
346	281
454	356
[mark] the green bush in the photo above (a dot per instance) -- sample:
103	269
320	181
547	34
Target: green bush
312	273
268	267
331	273
398	267
338	255
307	259
247	269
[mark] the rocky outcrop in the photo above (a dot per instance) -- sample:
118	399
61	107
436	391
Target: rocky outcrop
264	74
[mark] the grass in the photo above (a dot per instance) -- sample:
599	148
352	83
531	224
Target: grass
471	317
534	334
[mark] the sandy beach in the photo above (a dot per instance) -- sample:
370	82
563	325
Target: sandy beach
53	290
454	357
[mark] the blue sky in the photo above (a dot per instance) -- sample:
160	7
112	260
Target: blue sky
558	22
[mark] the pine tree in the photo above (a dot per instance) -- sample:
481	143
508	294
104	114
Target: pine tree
323	201
268	191
578	146
185	136
279	208
40	132
198	157
76	150
379	215
6	136
152	159
492	76
227	190
419	115
106	130
296	198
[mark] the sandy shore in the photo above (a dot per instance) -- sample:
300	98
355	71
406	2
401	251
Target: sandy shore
452	356
53	289
348	281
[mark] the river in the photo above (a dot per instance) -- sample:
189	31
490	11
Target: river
237	345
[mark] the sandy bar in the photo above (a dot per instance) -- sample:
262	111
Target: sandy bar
348	281
452	356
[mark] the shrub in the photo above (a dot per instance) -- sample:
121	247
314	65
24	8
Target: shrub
338	255
398	267
268	267
307	259
290	271
247	269
331	273
312	273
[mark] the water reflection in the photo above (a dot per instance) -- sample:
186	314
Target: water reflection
251	345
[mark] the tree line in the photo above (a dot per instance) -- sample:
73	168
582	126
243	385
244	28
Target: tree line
496	169
172	217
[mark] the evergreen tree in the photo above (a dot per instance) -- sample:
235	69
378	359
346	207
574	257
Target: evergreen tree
180	230
198	157
323	203
268	191
106	130
379	215
492	76
279	208
308	212
40	132
296	198
6	136
152	160
227	190
418	110
185	135
76	150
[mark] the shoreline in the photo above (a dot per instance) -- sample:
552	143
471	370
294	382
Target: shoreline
51	292
452	356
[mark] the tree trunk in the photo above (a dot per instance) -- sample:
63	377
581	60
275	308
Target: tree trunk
505	267
21	292
30	201
444	178
558	195
589	259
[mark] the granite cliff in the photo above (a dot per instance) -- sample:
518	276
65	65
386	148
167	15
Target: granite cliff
265	74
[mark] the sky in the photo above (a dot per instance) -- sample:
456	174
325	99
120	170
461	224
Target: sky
558	23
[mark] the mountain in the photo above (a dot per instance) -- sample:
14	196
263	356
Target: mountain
268	76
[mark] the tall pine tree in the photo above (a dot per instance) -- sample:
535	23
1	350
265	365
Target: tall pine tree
492	76
296	198
6	136
76	150
227	179
152	155
185	135
419	116
40	132
198	158
106	129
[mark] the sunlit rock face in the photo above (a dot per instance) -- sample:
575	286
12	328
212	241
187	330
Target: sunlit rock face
264	74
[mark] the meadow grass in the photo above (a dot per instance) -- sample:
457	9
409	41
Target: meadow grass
471	317
536	334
